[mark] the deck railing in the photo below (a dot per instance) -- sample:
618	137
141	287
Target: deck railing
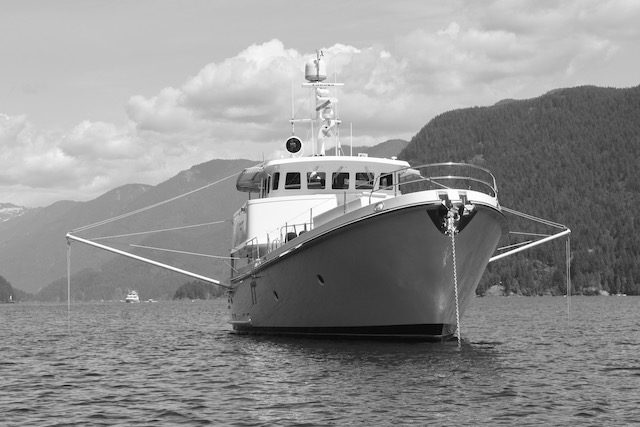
437	176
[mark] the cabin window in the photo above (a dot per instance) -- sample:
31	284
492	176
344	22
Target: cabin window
364	180
316	180
340	181
292	181
276	180
386	181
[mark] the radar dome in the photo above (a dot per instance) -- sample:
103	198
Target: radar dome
315	70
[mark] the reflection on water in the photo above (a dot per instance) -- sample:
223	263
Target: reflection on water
522	361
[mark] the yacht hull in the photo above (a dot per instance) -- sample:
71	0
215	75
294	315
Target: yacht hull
388	275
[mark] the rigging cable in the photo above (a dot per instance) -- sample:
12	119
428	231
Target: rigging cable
533	218
125	215
68	285
184	227
181	252
568	277
567	249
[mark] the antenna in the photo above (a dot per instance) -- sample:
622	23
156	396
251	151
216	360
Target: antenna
351	138
293	110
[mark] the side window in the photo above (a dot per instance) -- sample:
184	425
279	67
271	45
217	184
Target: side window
266	186
340	181
364	180
386	182
316	180
292	181
276	180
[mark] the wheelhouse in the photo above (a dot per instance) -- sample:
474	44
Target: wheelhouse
320	175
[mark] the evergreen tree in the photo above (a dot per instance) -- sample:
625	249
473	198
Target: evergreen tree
570	156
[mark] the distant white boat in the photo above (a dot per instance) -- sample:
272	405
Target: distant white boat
132	297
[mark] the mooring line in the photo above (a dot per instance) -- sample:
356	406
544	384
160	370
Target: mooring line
451	230
455	285
68	285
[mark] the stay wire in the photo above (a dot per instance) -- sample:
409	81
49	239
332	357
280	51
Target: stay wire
135	212
184	227
533	218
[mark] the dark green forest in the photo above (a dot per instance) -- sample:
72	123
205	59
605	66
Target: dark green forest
6	291
9	293
198	290
571	156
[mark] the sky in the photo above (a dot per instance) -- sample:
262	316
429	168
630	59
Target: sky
98	94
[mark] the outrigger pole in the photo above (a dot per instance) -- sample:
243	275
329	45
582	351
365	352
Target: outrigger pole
565	232
147	260
530	245
136	257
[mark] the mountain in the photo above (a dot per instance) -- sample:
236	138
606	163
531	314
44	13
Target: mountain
571	156
10	211
33	247
6	290
386	149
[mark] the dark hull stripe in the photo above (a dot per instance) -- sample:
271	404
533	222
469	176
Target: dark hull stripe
425	332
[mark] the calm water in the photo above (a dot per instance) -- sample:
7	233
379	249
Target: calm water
523	362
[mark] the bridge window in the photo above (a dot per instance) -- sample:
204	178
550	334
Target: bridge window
292	181
364	180
340	181
276	180
386	182
316	180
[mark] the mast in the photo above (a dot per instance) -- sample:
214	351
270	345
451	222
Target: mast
325	114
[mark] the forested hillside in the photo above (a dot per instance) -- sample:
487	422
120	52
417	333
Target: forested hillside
571	156
33	253
198	290
6	290
10	294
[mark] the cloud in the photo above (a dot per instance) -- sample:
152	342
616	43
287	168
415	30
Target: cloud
90	159
239	107
161	113
28	155
245	101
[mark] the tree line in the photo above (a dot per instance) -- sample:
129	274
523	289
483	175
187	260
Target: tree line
571	156
198	290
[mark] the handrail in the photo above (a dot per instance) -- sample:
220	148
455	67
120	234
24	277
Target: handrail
433	174
407	177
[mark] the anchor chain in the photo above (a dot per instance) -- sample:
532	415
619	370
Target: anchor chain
452	221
